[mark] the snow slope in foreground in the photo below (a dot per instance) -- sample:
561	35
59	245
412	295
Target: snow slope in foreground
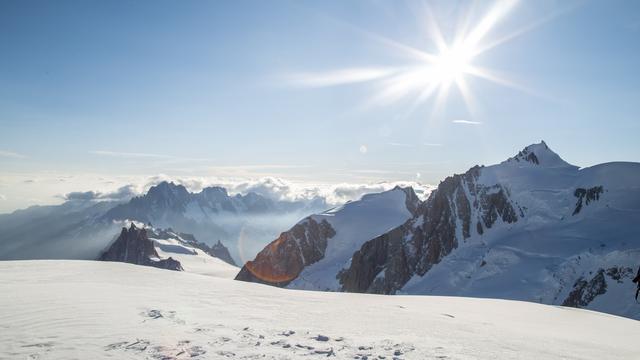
92	310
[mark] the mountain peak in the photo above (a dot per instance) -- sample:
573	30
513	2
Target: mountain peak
215	192
538	155
166	188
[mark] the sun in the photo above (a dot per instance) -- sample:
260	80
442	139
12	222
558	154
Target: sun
452	63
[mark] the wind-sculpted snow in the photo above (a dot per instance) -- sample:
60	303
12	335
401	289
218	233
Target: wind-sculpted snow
100	310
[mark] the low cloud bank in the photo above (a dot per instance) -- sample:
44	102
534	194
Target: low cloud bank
123	193
283	190
273	188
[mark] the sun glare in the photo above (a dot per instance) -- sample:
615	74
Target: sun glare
452	63
434	73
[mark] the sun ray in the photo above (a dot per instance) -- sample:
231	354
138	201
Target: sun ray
433	29
495	78
433	75
497	12
441	98
467	96
523	30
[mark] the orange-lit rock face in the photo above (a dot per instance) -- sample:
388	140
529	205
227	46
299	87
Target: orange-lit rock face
283	259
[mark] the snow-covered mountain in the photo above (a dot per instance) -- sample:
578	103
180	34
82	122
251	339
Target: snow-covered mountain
315	249
533	227
166	249
133	246
104	310
80	229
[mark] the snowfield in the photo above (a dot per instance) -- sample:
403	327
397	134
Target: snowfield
194	260
93	310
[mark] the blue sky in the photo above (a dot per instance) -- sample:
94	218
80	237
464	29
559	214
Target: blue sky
208	88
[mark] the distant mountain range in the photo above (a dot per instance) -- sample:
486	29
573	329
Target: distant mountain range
80	229
533	228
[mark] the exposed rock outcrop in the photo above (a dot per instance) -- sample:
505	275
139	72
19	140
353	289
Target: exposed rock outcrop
586	196
221	252
386	263
585	291
133	246
380	266
283	259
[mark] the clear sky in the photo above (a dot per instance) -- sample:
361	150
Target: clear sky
308	91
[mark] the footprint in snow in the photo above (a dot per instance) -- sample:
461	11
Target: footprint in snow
138	345
327	352
41	348
47	344
156	314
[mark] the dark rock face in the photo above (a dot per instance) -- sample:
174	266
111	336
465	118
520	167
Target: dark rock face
283	259
585	291
384	253
412	201
384	264
620	273
133	246
221	252
586	196
528	155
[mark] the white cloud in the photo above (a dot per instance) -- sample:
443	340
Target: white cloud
400	144
333	194
123	193
96	187
2	197
467	122
431	144
11	154
283	190
338	77
363	149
